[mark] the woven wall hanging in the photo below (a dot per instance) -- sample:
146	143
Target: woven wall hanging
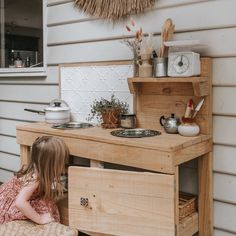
113	9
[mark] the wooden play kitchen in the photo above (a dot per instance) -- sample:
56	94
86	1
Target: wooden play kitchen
139	193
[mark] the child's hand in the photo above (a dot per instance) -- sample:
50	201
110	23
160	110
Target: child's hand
46	218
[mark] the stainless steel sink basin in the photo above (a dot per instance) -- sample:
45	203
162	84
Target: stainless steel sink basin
73	125
135	133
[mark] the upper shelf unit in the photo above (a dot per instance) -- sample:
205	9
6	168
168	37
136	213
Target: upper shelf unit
200	84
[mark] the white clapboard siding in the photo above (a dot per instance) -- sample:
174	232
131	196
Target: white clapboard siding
5	175
224	158
224	71
222	233
104	51
9	162
225	187
52	78
9	145
65	13
8	127
53	74
99	30
224	128
224	216
12	110
224	100
29	93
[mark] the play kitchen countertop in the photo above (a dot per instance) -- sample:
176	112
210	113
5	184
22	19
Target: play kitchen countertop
166	150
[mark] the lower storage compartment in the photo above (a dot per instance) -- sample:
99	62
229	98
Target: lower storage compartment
121	203
189	225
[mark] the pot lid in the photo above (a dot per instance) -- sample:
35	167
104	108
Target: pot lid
57	105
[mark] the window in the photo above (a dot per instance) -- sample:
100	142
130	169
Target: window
22	47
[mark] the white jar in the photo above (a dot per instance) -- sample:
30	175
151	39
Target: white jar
188	128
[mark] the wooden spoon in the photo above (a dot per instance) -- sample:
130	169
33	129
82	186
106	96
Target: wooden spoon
164	35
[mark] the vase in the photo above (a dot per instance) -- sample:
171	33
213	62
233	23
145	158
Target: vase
111	118
188	127
135	65
145	69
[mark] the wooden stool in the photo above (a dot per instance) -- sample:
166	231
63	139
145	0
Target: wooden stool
28	228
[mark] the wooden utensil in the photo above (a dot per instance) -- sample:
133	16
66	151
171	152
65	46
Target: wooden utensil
166	35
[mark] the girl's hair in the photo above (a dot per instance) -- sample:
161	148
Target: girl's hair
48	158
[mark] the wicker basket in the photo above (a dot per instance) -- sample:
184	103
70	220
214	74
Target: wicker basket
187	204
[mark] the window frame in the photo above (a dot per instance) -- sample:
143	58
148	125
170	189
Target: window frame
34	71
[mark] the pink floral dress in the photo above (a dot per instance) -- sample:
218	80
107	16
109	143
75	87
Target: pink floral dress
8	211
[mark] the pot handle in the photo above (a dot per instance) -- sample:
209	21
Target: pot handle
58	102
162	118
35	111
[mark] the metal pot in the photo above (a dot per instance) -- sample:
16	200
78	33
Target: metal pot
57	112
170	124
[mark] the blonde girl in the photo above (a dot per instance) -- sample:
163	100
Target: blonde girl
32	192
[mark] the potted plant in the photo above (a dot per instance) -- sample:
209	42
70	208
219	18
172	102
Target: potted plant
108	111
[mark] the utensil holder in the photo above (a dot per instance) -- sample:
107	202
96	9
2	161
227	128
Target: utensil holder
188	128
160	67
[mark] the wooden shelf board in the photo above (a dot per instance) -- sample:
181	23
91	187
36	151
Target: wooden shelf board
164	142
199	83
189	225
168	79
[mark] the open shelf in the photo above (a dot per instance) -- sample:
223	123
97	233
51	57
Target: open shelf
189	225
168	79
199	83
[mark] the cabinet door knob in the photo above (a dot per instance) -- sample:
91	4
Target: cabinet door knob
84	201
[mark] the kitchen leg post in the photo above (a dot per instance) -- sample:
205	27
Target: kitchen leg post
176	200
25	154
205	195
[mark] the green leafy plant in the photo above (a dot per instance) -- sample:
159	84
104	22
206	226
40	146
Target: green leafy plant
104	105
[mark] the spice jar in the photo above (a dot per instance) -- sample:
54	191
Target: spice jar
128	121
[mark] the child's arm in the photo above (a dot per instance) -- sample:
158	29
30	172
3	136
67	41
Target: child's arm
23	205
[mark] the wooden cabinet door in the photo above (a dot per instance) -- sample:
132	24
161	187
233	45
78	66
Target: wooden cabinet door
122	203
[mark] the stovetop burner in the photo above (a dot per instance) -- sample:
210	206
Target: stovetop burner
72	125
135	133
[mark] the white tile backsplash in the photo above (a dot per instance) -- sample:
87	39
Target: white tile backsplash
81	85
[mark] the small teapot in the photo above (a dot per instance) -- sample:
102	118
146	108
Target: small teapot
170	124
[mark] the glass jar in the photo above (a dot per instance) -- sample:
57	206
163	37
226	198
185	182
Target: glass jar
135	65
128	121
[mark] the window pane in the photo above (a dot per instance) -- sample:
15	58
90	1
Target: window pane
22	33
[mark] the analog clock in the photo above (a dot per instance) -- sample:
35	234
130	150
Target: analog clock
183	64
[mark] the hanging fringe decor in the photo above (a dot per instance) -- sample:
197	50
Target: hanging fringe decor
113	9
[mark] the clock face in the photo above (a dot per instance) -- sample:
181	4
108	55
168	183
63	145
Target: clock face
181	64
